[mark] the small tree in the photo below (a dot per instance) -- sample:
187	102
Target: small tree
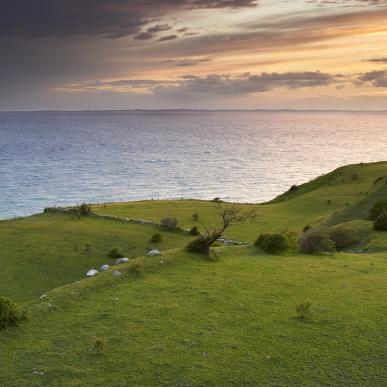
229	214
195	217
169	223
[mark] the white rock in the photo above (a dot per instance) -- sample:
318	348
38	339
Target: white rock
153	253
116	273
105	267
122	260
92	273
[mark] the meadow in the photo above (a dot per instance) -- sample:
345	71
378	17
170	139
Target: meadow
184	319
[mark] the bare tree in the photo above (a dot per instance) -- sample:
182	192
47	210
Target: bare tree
230	214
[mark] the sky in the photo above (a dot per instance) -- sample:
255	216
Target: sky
197	54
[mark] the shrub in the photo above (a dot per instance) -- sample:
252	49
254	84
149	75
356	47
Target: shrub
316	241
377	209
380	223
156	238
355	176
84	209
345	237
195	217
203	243
99	346
293	188
303	311
10	312
194	231
169	223
115	254
272	243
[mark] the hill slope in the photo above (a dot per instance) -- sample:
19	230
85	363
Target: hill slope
185	321
45	251
178	319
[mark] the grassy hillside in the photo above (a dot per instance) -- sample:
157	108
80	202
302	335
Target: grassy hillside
45	251
179	319
190	322
311	203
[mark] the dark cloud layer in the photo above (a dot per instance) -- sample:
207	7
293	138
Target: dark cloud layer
250	83
217	84
108	18
378	60
376	78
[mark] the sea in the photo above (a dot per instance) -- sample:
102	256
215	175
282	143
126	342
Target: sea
66	158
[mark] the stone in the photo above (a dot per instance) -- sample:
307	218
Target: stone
116	273
153	253
105	267
122	260
92	273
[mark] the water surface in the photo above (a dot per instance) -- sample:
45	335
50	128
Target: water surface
62	158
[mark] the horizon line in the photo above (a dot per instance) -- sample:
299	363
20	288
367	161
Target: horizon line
192	110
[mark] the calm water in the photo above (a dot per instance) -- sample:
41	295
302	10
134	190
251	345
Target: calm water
67	158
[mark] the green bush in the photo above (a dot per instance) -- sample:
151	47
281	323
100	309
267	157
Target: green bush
377	209
194	231
380	223
316	241
115	254
156	238
84	209
169	223
272	243
99	346
195	217
345	237
10	312
203	243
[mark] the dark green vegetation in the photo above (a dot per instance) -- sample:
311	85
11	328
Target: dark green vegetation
10	312
240	317
272	243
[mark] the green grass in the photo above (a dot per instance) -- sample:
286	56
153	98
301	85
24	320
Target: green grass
312	203
179	319
191	322
45	251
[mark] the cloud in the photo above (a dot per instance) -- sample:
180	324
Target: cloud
107	18
187	62
253	83
377	78
167	38
378	60
349	3
152	31
213	84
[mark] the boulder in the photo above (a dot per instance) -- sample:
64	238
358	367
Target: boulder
92	273
116	273
153	252
105	267
122	260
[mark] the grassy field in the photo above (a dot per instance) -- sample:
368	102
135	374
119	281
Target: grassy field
179	319
45	251
186	321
